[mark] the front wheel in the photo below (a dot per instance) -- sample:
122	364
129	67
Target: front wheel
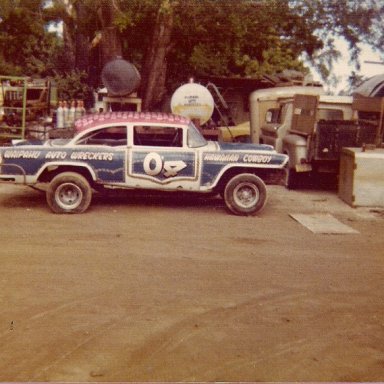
292	179
69	192
245	194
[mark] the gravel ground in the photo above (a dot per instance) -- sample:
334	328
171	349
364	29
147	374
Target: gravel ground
170	288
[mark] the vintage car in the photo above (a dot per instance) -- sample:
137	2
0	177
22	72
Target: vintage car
131	150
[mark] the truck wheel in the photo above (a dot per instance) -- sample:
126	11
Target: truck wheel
291	180
245	194
69	192
296	180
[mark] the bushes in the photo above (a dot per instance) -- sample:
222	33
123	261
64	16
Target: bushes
73	86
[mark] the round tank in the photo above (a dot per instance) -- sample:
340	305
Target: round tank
120	77
193	101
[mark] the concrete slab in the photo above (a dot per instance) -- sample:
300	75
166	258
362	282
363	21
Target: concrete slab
323	223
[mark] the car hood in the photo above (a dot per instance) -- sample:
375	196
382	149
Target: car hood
245	147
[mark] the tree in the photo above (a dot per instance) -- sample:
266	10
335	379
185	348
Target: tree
170	40
80	24
155	63
110	40
210	37
242	38
26	47
353	20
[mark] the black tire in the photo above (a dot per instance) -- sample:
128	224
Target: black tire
245	194
292	179
69	192
295	180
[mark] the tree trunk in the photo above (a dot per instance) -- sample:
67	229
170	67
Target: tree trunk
69	59
155	65
81	40
110	41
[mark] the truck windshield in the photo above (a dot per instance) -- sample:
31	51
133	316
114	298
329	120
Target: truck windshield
195	139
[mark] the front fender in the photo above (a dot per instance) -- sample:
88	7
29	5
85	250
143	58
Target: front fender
296	147
212	174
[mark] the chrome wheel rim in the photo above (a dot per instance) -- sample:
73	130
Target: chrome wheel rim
246	195
68	196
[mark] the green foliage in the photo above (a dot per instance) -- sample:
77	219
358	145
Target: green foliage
73	86
26	47
9	69
248	37
135	23
221	37
240	38
354	20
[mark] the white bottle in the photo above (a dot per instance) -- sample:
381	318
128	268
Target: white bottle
65	114
82	108
78	110
72	113
60	116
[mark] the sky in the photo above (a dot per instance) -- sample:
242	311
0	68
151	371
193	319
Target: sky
343	69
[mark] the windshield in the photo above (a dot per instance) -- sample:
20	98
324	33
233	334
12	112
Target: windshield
195	139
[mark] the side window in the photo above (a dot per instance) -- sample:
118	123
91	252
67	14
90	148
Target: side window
110	136
273	115
154	136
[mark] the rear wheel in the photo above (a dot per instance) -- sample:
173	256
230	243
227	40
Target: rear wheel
245	194
69	192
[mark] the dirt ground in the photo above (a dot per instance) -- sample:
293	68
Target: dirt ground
160	288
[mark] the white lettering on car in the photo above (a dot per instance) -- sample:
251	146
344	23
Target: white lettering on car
56	155
153	165
172	168
231	157
101	156
248	158
13	154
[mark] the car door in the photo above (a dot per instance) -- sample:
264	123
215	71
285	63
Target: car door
104	149
160	159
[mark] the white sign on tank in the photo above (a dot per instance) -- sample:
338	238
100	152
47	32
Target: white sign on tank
193	101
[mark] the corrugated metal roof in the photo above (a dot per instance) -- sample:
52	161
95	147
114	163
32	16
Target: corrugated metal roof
373	87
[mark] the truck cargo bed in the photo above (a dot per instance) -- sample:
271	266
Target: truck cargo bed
332	135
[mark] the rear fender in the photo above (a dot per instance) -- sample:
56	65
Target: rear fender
49	170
